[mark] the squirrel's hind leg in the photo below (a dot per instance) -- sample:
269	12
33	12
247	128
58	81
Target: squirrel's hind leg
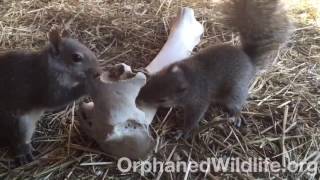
192	115
22	129
233	105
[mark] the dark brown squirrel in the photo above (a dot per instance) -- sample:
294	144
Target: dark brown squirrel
221	74
34	82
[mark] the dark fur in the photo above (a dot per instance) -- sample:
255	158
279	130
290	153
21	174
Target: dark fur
30	85
220	74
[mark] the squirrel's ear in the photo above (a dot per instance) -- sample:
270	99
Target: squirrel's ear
176	69
54	39
181	80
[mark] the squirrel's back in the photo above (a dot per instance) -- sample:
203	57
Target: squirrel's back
49	78
219	66
21	75
262	24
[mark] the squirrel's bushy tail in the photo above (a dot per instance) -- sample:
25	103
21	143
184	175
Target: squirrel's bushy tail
263	26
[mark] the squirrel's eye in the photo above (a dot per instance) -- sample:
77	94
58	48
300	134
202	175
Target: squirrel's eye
76	57
181	90
162	100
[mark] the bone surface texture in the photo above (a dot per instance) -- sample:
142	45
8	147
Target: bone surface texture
184	35
113	119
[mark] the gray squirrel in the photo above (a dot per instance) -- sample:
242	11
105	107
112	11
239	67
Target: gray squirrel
34	82
221	74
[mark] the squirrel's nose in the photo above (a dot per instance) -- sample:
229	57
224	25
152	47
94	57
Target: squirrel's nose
139	102
95	72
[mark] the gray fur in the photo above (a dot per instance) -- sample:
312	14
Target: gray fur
221	74
33	82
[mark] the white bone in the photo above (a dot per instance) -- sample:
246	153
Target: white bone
112	119
184	36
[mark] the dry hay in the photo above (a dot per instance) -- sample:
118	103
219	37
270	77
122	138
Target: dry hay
282	113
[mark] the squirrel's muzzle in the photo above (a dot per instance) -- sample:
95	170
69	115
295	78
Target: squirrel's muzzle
94	73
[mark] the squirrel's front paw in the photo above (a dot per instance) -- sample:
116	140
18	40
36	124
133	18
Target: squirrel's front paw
23	159
185	134
177	134
237	121
23	154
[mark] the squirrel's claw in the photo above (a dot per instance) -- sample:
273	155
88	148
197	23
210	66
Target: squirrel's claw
237	121
178	134
23	159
